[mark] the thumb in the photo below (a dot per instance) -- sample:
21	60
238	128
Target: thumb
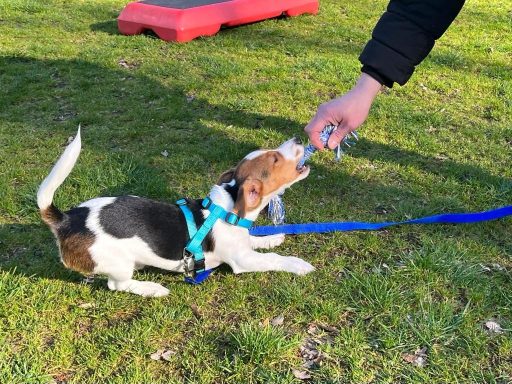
338	135
313	129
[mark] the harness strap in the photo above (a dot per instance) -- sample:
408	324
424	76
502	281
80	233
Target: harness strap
195	244
229	217
193	255
189	217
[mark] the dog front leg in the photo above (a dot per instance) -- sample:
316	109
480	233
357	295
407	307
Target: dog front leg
253	261
266	242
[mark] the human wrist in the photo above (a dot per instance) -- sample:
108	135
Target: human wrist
368	86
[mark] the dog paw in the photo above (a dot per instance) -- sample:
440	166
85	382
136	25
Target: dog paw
299	266
267	242
274	240
147	289
153	290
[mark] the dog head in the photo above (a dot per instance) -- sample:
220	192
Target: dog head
263	174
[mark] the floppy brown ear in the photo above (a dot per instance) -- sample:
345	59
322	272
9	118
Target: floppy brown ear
227	176
249	196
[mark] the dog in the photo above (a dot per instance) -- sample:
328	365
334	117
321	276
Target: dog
114	236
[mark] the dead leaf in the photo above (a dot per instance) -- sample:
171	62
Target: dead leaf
328	328
265	323
168	354
125	64
164	153
190	98
497	267
320	334
381	210
87	305
156	355
493	326
195	311
162	354
312	329
418	359
301	375
278	320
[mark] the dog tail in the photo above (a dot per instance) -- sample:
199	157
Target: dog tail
50	214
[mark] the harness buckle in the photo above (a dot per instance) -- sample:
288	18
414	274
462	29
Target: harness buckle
188	263
206	202
232	218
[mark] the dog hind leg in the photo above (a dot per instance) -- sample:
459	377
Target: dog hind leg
121	280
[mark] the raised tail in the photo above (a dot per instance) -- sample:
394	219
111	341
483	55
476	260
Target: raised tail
51	214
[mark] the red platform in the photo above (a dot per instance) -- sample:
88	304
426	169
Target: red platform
184	20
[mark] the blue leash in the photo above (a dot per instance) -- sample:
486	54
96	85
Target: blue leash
277	211
448	218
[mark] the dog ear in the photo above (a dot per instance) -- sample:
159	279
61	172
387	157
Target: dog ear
227	176
249	196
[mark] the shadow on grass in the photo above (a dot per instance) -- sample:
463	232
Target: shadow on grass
123	111
463	63
265	37
109	26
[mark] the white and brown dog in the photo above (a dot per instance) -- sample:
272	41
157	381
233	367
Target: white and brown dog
114	236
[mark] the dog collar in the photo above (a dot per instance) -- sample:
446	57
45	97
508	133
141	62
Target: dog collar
193	255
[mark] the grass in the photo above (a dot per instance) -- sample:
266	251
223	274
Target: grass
442	143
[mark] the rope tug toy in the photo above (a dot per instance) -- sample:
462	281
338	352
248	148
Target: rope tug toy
276	210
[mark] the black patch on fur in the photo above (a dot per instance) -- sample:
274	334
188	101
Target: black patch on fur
264	174
160	225
232	190
73	222
57	215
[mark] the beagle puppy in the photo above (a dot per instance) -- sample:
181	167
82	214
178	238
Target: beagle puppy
114	236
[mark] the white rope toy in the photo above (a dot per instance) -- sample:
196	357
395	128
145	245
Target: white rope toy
276	210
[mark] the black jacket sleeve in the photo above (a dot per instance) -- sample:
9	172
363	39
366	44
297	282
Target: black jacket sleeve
404	36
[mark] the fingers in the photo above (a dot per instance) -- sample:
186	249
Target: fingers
338	135
313	129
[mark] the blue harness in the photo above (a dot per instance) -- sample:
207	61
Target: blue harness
193	255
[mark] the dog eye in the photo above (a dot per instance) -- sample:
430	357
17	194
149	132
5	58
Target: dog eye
276	159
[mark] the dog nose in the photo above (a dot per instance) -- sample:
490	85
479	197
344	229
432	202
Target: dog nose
297	140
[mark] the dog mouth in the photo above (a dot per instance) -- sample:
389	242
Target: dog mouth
301	168
302	171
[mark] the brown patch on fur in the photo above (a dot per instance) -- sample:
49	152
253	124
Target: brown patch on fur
278	171
271	166
75	253
249	197
51	215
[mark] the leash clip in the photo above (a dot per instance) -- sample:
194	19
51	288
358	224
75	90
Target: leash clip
188	263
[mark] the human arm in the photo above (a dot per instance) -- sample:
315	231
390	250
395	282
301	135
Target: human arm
402	38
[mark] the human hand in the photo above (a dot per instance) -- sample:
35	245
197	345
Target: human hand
347	112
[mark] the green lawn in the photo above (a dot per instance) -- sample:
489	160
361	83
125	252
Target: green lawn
442	143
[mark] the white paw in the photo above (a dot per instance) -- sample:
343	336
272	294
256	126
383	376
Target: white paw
149	289
143	288
298	266
274	240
